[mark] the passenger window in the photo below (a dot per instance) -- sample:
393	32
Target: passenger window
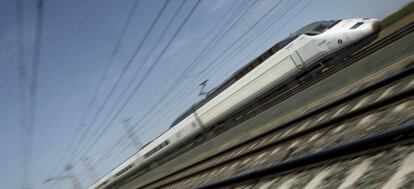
159	147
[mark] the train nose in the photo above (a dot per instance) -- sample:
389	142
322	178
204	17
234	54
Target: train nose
376	25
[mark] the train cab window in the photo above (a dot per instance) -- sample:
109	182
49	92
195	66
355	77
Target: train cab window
316	28
355	26
312	33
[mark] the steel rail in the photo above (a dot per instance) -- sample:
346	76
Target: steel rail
387	139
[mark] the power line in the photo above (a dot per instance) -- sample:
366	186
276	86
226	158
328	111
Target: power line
146	59
200	74
195	62
213	43
100	82
130	60
243	46
153	50
246	32
156	61
125	69
226	60
177	81
247	43
111	150
209	47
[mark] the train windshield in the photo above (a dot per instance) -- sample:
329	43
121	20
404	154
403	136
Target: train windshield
310	29
316	28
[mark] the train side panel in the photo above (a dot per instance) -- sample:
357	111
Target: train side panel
238	95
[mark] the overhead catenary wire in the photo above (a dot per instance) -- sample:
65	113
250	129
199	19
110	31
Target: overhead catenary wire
155	62
115	149
146	59
136	51
245	33
153	50
110	151
233	25
240	48
182	75
126	67
189	67
247	43
237	21
202	73
101	80
210	44
207	49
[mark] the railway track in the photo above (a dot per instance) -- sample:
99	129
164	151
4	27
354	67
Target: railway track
365	163
374	109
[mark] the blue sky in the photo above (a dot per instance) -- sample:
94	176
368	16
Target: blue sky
78	39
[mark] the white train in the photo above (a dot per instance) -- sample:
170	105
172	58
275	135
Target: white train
300	50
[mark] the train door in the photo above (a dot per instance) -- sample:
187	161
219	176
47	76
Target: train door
307	49
294	54
297	59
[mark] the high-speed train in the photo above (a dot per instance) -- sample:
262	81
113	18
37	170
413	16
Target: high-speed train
299	51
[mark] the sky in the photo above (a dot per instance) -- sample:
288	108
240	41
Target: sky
80	38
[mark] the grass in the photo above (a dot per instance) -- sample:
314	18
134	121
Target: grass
398	15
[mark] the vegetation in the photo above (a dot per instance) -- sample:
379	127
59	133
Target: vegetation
398	14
